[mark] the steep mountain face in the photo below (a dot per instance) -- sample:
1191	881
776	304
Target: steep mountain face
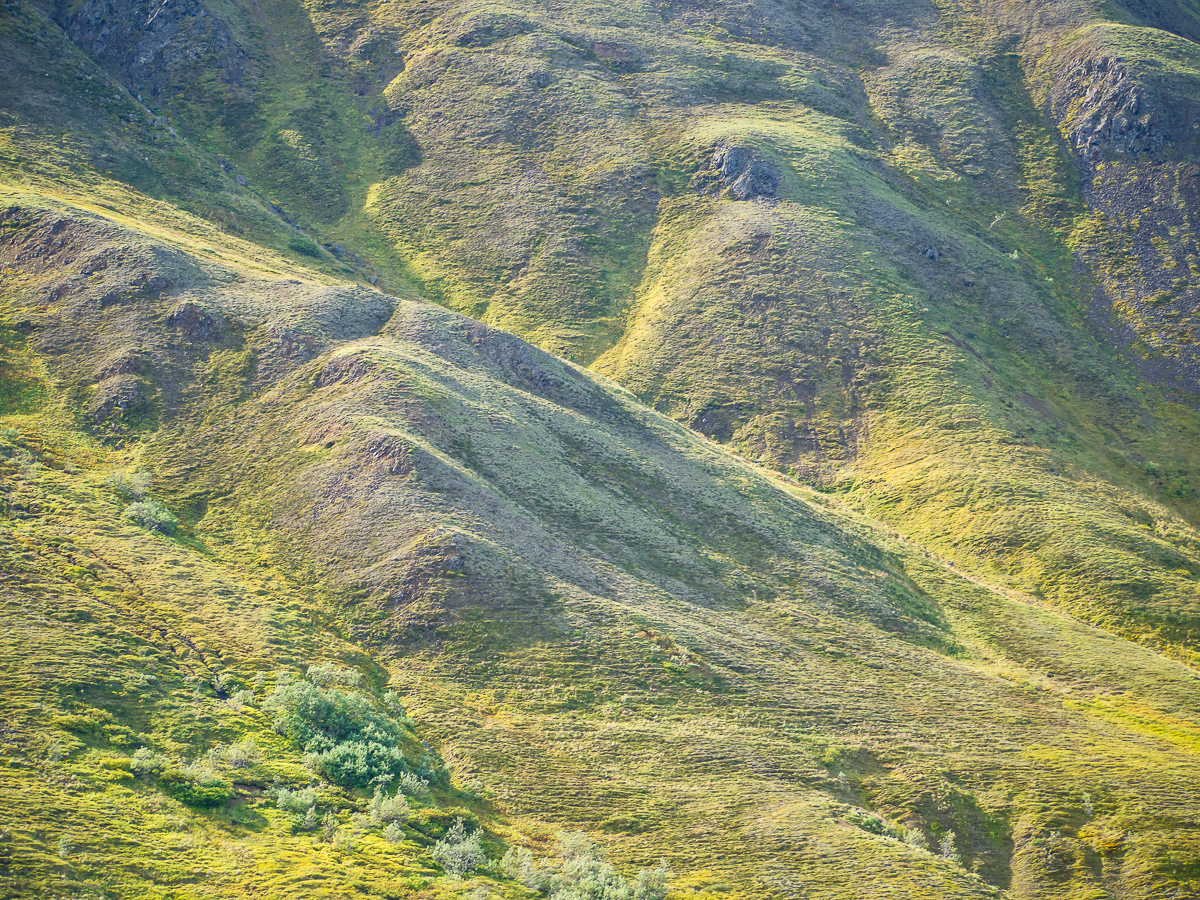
410	342
1124	98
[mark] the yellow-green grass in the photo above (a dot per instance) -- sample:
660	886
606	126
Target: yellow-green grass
611	623
647	638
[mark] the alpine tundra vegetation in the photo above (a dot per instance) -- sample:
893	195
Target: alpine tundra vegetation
600	449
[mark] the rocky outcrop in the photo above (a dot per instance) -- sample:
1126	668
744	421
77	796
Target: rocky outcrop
1133	127
195	322
116	395
1114	113
1107	105
149	41
740	173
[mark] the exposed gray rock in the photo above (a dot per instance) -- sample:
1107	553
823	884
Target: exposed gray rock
741	173
149	41
1109	107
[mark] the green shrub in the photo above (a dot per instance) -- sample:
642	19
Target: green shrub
458	852
300	801
330	675
301	805
651	884
310	821
411	785
581	873
389	809
948	851
344	738
240	699
392	701
129	487
304	246
865	821
147	763
436	823
241	755
356	764
152	516
195	785
521	865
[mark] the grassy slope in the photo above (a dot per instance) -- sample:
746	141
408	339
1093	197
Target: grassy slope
964	399
560	194
119	636
549	172
607	620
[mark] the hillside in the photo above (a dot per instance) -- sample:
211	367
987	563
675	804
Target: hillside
759	436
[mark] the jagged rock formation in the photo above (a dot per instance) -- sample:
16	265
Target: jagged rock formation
156	44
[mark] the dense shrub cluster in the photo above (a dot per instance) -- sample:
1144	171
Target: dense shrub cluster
302	807
196	784
579	872
385	809
147	763
152	516
241	755
343	736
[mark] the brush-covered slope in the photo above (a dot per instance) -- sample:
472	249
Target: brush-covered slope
597	619
935	260
935	256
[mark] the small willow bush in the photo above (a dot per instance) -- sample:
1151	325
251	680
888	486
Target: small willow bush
578	871
345	738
